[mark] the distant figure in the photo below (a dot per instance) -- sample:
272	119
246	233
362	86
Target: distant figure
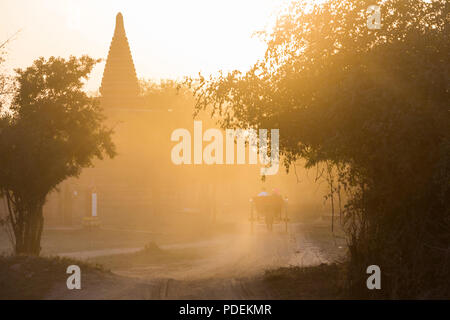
264	207
276	203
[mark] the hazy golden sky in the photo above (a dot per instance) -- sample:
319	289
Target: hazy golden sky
168	38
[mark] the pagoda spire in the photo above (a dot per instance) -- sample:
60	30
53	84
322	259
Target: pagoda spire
120	87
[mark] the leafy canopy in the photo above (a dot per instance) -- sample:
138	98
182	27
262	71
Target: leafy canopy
53	130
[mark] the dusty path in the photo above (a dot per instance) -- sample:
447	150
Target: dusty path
230	270
239	255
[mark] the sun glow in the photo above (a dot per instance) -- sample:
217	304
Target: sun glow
168	39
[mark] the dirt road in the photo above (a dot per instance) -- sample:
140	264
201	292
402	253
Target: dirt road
228	268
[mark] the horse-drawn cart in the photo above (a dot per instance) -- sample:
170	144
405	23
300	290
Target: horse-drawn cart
270	209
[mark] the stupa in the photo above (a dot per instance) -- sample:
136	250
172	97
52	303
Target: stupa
120	87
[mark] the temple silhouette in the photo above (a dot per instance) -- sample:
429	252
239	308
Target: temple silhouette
141	181
141	186
120	86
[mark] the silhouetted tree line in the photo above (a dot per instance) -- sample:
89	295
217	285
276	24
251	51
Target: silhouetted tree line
374	104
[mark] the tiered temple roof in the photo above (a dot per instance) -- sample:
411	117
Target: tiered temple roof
120	87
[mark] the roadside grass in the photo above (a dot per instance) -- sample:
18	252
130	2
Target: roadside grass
316	282
28	277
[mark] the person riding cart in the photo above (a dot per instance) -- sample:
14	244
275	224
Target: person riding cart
268	208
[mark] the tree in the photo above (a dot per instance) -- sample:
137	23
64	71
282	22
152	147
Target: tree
53	130
6	83
374	103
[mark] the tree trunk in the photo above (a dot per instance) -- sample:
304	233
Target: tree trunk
28	231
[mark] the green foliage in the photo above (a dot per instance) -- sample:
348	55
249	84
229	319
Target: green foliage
54	130
374	103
